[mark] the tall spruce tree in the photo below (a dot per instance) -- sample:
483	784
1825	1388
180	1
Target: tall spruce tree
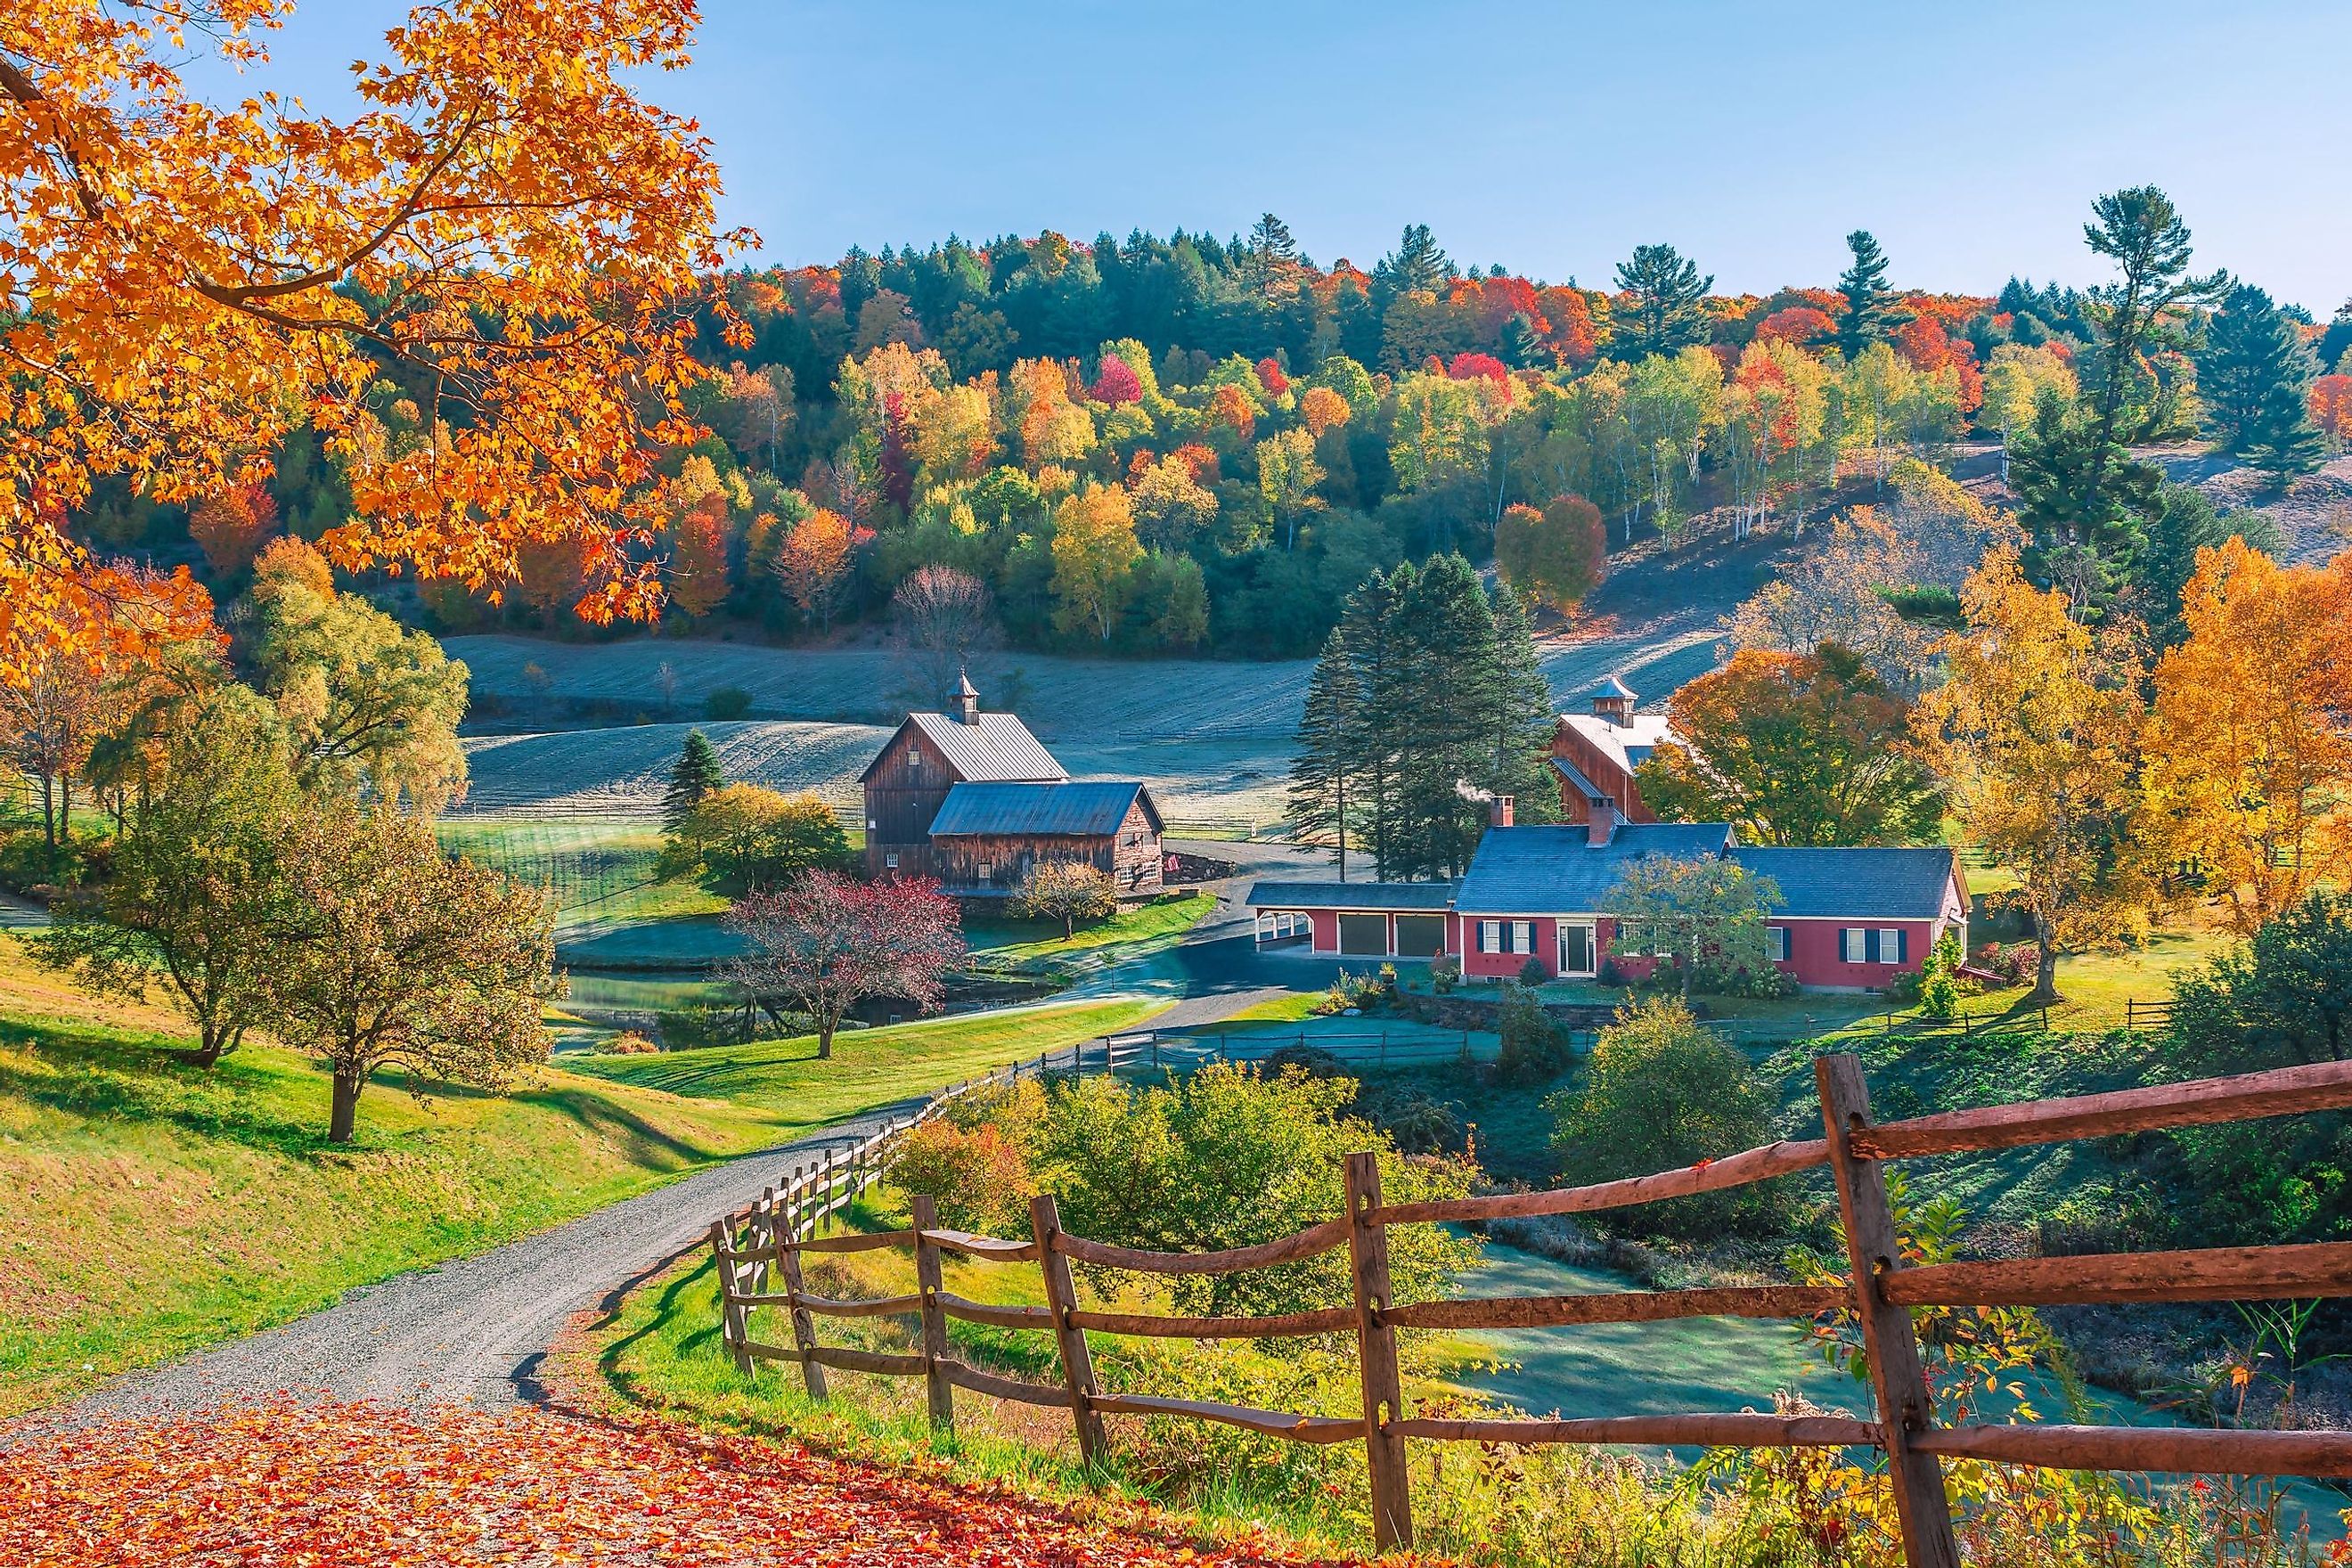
696	775
2181	521
1442	739
1870	316
1518	715
1417	262
2086	550
1668	310
1323	801
1388	687
2254	377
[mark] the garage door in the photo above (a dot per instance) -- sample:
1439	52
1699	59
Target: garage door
1420	936
1365	936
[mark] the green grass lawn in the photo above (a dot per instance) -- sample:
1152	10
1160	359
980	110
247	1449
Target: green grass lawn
870	1067
1131	933
149	1208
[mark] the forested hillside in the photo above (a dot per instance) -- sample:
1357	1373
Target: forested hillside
1173	446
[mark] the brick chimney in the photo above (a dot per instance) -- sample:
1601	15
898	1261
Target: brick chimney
1499	812
966	698
1602	825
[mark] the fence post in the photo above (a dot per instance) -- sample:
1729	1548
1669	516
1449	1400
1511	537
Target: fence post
1367	1251
788	1265
1888	1342
1062	1299
929	1281
731	1311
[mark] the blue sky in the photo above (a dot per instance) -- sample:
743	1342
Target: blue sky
1551	138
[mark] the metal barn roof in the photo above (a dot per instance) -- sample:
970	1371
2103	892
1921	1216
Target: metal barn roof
1088	810
993	748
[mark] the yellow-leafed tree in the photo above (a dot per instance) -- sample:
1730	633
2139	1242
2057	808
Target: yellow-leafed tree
2250	746
2036	733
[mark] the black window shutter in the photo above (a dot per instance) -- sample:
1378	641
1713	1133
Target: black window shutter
1902	946
1869	947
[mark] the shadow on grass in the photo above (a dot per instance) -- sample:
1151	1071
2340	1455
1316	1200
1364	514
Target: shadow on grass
98	1073
646	1145
673	1076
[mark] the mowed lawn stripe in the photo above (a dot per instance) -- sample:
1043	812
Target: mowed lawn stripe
870	1067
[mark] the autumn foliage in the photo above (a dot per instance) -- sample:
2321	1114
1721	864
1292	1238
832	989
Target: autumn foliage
230	527
508	229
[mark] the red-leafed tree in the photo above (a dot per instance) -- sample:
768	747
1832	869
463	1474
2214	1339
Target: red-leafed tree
230	526
1798	324
813	562
1117	382
697	557
1923	340
1270	377
1201	459
827	942
1229	407
1468	366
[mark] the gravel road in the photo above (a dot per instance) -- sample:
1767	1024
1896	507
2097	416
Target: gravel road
474	1330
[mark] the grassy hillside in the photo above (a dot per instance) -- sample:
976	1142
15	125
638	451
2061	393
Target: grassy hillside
870	1067
149	1208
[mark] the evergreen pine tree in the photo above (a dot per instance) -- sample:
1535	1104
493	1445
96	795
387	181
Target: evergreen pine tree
1516	715
1668	311
2182	522
1444	745
2085	550
1322	800
1388	685
2254	377
696	775
1870	316
1416	263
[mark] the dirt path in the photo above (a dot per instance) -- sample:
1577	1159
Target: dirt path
471	1332
367	1484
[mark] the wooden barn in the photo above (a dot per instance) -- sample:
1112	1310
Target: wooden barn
987	836
973	799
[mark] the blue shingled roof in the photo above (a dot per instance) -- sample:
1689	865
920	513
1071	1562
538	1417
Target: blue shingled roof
1860	884
1434	897
1553	869
1088	810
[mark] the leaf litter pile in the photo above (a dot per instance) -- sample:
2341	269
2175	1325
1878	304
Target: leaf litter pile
290	1486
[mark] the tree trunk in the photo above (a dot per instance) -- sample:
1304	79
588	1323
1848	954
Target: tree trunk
345	1113
49	809
826	1025
2045	969
213	1044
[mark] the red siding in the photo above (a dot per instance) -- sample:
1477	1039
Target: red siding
1813	952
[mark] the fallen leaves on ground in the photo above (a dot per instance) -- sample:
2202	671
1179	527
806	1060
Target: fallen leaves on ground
291	1486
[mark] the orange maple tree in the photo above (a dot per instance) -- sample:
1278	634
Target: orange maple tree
230	527
506	231
2249	745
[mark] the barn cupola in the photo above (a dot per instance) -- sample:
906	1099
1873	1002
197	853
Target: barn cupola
1613	700
966	698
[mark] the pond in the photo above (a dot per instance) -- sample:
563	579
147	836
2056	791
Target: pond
1708	1364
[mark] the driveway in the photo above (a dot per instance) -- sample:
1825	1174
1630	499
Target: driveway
474	1330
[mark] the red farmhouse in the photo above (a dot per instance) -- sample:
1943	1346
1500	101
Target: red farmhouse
1849	920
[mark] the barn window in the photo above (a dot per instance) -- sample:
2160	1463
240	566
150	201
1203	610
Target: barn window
889	862
1776	939
984	870
914	756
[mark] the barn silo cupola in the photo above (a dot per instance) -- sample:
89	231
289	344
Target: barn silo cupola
967	697
1613	699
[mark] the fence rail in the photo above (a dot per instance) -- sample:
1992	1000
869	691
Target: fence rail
1880	1292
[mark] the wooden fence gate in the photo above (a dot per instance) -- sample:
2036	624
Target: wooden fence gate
784	1224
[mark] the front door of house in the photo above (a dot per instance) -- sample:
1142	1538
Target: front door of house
1575	949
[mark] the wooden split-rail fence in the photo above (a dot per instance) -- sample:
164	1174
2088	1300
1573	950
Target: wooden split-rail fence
759	1251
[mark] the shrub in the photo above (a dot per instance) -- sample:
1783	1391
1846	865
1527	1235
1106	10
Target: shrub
631	1043
727	702
1939	992
1068	892
2015	961
1444	974
1230	1157
1533	973
1534	1049
978	1177
1666	1093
